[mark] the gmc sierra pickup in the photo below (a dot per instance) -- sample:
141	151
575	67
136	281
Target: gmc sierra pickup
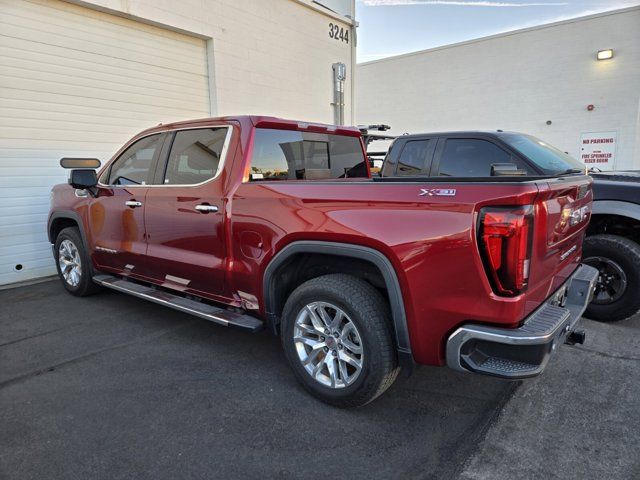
259	222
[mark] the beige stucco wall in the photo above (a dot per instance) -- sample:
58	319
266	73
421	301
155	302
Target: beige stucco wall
518	81
266	57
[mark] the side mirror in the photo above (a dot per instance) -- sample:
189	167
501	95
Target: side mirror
83	179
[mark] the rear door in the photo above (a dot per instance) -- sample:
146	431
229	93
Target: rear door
184	213
116	214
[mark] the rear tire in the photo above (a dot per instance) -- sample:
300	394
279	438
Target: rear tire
341	324
73	263
618	260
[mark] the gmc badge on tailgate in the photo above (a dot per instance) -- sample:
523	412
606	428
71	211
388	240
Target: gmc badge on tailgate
578	215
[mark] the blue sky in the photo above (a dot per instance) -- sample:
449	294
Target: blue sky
392	27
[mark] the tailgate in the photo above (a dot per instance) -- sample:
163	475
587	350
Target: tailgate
562	213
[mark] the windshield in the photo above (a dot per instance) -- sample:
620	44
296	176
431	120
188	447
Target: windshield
547	158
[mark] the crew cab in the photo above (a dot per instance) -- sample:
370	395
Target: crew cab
257	222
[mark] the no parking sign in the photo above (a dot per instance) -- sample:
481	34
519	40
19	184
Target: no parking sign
598	149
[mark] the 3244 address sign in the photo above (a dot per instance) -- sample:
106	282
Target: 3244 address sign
338	33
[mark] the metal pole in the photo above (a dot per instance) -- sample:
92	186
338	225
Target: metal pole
339	76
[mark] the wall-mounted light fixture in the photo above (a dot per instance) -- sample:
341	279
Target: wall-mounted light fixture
605	54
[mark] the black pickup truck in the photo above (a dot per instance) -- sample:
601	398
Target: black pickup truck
613	237
613	245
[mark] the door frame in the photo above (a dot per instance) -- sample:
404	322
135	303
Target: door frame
226	155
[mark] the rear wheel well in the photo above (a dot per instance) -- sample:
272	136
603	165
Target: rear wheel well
301	267
58	225
614	225
304	260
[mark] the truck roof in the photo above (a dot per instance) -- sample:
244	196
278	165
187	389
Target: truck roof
256	121
492	133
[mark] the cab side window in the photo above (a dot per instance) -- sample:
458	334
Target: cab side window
132	167
415	158
195	156
467	157
295	155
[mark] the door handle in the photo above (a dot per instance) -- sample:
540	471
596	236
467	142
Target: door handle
133	203
204	208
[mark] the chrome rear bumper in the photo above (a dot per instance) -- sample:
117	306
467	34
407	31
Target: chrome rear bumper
523	352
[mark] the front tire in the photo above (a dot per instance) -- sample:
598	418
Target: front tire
73	263
618	260
336	334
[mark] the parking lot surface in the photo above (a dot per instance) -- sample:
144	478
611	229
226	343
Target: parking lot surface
112	386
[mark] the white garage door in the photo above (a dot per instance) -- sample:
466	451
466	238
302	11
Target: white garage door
77	82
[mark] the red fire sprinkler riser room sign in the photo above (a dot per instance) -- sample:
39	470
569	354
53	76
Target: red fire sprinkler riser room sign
598	149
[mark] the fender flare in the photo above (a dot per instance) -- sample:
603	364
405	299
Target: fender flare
71	215
68	214
371	255
615	207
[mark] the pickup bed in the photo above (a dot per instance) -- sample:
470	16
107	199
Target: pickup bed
258	222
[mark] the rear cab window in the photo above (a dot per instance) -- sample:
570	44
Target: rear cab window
415	158
294	155
195	156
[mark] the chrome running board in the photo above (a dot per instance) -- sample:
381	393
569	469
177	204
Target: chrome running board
203	310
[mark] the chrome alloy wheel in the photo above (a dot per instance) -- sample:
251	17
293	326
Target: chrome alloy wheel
612	281
328	344
70	263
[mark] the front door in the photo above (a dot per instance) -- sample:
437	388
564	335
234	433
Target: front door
184	214
116	214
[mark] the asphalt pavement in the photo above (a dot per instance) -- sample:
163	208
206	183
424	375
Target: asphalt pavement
111	386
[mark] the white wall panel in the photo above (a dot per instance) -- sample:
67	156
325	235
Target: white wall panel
76	82
518	81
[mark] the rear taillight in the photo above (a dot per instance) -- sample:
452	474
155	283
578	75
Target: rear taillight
505	237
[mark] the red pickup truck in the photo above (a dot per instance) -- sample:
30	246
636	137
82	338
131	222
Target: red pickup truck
259	222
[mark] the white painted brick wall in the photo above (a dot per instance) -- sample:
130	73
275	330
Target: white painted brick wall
517	81
271	57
